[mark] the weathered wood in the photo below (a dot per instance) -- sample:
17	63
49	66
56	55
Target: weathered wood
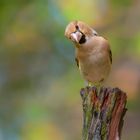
103	112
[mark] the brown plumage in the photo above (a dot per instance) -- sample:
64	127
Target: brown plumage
93	54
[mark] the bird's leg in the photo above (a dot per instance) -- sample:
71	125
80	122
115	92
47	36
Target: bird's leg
88	84
98	86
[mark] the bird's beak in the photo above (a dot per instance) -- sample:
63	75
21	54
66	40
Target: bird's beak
76	36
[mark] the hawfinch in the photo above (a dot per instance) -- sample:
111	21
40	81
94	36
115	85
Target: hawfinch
93	54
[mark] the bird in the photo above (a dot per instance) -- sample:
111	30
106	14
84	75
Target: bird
93	55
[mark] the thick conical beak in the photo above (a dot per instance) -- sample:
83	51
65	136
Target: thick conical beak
76	36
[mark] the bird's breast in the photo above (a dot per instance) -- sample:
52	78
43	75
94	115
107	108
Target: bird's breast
94	65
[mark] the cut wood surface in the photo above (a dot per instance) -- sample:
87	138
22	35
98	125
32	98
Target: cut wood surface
103	113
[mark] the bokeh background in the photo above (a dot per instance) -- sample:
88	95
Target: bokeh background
39	81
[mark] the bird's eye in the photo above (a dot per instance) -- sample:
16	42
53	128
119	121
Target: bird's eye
77	28
83	39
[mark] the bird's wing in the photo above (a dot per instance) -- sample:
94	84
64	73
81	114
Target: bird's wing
110	56
77	62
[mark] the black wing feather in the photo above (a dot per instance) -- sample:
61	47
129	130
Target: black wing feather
77	62
110	56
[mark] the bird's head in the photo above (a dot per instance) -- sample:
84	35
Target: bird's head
79	32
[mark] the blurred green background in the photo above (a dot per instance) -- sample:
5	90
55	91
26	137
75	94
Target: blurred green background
39	81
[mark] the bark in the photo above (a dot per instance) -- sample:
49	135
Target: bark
103	113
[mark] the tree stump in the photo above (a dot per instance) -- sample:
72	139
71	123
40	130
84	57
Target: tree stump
103	113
